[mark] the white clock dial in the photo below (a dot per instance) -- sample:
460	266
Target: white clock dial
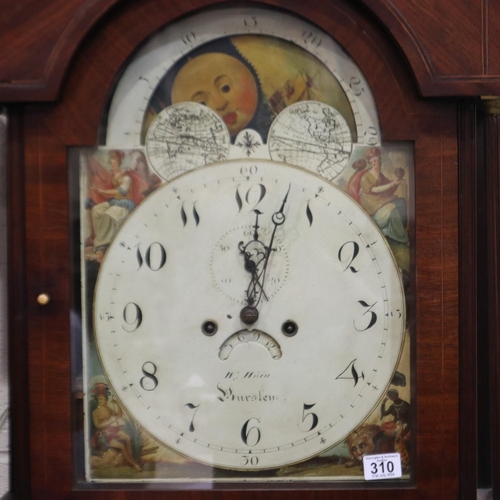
305	259
146	71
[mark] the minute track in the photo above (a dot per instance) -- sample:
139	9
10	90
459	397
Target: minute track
265	410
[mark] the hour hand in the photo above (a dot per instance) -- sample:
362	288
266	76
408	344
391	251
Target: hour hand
254	253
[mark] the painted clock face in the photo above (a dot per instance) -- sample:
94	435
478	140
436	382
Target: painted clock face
249	315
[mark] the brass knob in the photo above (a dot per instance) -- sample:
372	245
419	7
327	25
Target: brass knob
43	299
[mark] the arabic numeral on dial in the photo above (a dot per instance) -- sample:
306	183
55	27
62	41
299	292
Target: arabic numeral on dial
350	373
251	170
313	418
155	258
250	22
249	460
397	314
371	315
191	406
356	86
149	382
251	197
132	315
184	216
309	214
250	435
371	135
310	38
347	253
188	38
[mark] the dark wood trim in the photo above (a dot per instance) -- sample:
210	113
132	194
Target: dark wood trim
59	30
467	174
47	271
18	343
72	31
493	230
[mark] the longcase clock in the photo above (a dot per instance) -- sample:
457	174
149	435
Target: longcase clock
240	269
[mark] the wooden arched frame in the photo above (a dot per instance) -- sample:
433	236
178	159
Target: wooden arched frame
57	29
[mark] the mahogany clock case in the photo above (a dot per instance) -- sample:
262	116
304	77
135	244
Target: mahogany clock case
44	398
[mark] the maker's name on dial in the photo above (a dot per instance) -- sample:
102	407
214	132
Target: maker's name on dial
227	394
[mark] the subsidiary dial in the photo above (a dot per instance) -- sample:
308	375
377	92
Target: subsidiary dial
238	258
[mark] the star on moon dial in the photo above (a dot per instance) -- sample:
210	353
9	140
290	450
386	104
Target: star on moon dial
313	365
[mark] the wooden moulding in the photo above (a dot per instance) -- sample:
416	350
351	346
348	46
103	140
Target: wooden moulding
451	45
492	157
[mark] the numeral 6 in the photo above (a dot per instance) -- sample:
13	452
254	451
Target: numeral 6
251	434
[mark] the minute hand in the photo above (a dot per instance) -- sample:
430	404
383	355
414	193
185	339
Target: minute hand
278	219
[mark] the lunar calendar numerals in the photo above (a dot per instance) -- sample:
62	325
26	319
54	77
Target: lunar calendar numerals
188	38
356	86
310	38
371	136
250	22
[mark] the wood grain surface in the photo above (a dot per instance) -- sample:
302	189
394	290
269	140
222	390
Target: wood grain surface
452	46
493	262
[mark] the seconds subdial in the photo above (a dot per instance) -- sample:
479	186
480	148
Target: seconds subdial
227	265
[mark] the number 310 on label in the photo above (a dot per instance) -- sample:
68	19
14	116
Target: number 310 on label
387	466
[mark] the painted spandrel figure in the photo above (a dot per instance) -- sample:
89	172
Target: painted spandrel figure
110	425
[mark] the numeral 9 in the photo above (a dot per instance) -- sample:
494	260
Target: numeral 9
132	315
